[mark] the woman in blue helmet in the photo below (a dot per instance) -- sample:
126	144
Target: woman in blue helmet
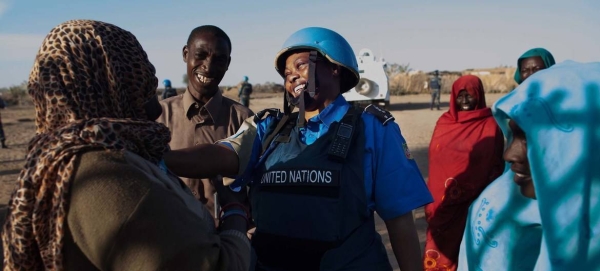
317	176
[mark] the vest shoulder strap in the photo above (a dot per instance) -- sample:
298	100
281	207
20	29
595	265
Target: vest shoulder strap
266	112
280	129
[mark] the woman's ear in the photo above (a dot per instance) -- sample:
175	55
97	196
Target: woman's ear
336	70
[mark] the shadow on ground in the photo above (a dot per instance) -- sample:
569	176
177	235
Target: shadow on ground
415	106
420	155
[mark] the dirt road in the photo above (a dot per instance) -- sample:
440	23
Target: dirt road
411	112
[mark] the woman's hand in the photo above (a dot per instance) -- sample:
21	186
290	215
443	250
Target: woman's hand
235	214
225	195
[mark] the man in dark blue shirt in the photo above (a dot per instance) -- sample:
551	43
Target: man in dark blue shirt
435	87
169	91
244	92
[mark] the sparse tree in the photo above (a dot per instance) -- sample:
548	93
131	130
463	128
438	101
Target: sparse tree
16	94
392	69
185	79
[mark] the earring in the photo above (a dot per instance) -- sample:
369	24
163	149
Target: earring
336	70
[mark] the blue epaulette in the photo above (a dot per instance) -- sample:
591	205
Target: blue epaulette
381	114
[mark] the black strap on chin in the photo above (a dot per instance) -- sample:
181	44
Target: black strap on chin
301	111
288	104
312	82
312	67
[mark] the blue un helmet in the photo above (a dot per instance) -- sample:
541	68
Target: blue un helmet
245	78
329	44
167	83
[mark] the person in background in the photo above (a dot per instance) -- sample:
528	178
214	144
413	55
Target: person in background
94	193
244	92
2	135
465	155
169	91
202	114
532	61
435	87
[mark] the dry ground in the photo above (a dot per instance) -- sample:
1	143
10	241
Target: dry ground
411	112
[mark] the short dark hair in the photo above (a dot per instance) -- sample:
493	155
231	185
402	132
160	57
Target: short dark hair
218	32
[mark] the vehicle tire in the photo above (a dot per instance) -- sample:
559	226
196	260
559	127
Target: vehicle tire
364	86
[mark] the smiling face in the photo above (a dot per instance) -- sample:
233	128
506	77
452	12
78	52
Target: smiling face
465	102
516	155
327	85
207	57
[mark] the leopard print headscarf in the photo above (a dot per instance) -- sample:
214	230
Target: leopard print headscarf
89	84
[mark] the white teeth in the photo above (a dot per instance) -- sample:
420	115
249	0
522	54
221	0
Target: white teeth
299	88
520	175
202	79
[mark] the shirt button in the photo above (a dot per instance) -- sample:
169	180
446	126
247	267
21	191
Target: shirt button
196	105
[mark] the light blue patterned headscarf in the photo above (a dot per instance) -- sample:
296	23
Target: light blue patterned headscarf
503	230
559	111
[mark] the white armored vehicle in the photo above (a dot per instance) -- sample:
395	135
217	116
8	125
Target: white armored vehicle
373	85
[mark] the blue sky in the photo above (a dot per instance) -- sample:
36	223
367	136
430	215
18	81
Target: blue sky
428	34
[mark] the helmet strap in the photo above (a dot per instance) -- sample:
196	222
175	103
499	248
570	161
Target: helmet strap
301	111
312	68
289	103
312	65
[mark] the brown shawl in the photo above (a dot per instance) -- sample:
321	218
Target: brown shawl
89	84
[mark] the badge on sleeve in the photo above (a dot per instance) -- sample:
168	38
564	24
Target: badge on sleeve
407	152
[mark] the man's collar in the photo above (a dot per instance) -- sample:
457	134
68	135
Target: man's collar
213	105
